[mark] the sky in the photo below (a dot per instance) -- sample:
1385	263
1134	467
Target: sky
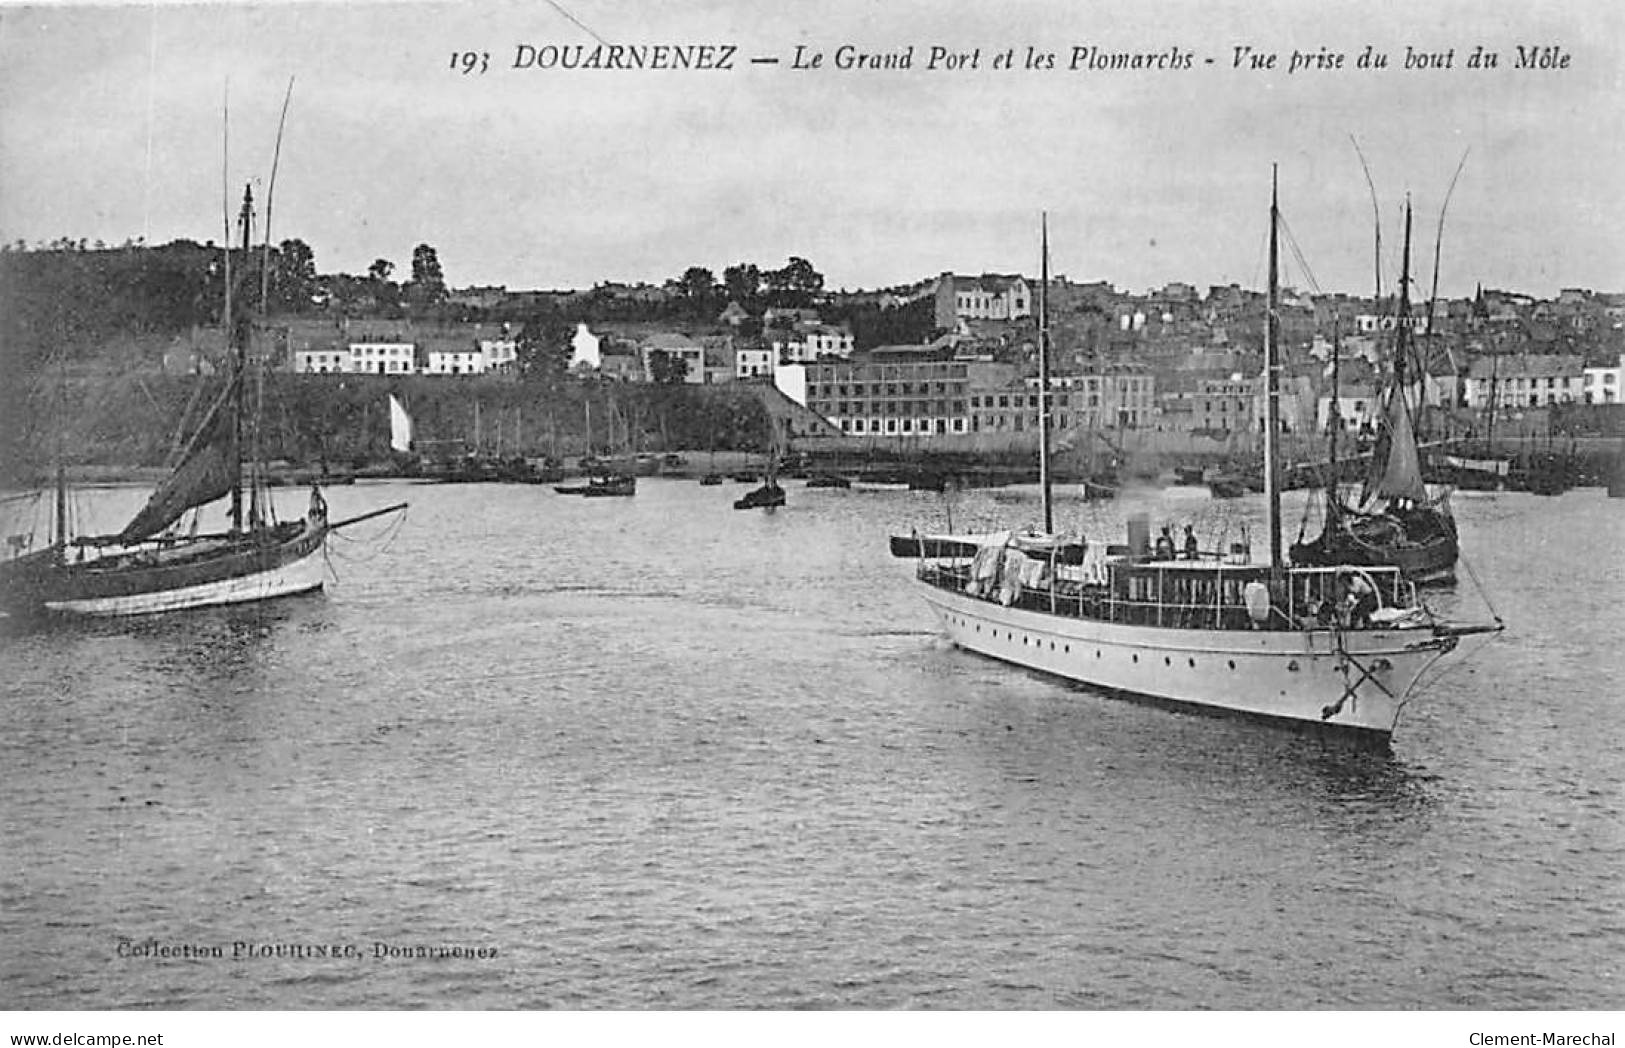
125	121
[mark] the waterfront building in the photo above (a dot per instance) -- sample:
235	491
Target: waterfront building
1120	397
1358	409
1210	403
1524	380
892	391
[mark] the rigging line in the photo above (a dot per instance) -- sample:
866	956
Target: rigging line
1438	240
1479	586
1442	669
152	78
1376	213
576	22
270	194
1297	255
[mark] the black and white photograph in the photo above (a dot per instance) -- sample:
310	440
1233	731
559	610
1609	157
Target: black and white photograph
1103	513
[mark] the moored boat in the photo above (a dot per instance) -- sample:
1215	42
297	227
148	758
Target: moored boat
767	496
1398	521
606	486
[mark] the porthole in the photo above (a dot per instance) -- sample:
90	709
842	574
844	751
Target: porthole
1193	663
1166	661
1136	658
1232	663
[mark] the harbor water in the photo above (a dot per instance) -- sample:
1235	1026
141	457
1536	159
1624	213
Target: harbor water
534	751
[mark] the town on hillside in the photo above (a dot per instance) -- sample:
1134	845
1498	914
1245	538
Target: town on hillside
948	363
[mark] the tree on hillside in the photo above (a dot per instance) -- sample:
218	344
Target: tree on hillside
293	277
743	283
667	371
698	288
385	292
428	285
543	350
795	284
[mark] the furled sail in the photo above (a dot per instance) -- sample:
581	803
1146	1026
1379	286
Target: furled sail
207	470
400	426
1396	466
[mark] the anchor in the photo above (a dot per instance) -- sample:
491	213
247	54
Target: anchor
1367	673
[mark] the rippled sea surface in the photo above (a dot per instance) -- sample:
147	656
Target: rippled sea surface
656	753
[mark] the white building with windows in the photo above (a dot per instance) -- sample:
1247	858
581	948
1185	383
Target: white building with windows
1358	408
1604	385
1524	381
753	363
468	360
383	358
809	343
500	354
321	361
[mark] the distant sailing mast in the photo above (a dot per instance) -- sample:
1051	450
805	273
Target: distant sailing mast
1043	377
1272	381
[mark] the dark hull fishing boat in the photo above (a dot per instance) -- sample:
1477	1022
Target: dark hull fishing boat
1398	522
767	496
147	567
770	494
616	485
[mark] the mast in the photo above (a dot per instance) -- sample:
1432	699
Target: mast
1043	376
1335	415
239	368
61	508
1272	382
1403	346
61	470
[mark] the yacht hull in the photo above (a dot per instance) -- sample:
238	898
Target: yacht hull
1354	681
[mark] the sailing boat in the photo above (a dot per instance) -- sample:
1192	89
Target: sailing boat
603	482
1398	523
1336	649
145	567
770	494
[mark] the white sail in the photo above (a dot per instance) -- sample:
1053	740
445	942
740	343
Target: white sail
400	426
